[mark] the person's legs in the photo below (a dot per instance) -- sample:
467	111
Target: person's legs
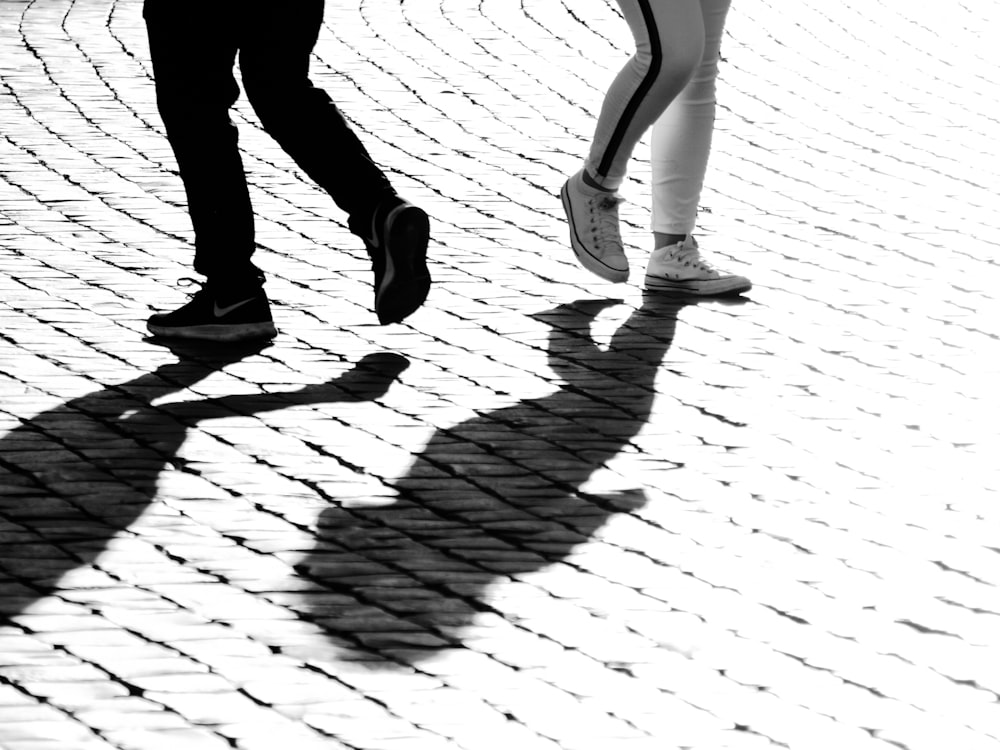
193	50
668	36
682	138
276	42
681	143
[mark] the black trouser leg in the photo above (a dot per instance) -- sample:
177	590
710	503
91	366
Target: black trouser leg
275	48
193	49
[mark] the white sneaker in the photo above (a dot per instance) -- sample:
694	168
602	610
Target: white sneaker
680	268
594	232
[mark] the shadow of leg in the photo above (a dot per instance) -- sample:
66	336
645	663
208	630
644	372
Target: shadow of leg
493	498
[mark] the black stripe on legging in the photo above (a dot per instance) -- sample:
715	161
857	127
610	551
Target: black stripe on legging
640	94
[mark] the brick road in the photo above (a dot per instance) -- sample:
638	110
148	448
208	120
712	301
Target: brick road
547	512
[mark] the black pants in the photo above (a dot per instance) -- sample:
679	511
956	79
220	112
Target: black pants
194	44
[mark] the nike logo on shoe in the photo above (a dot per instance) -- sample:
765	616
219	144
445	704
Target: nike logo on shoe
221	312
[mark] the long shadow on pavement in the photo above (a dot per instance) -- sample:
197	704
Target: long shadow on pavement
493	498
76	475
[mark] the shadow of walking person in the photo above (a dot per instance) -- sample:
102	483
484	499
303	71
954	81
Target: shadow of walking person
493	498
77	475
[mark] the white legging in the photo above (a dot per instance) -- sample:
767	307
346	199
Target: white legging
668	84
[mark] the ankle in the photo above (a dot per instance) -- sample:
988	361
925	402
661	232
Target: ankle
234	289
664	239
593	183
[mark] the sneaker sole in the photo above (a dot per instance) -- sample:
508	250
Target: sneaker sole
217	332
406	281
585	259
714	287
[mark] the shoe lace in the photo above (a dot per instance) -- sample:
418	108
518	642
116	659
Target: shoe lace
688	255
186	282
604	215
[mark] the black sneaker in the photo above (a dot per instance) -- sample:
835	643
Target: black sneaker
398	248
209	318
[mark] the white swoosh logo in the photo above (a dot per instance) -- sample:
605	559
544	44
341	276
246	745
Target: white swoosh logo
223	311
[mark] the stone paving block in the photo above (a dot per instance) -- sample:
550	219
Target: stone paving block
51	735
158	738
264	735
365	724
124	713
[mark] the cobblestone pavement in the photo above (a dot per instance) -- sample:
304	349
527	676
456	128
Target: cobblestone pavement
545	513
